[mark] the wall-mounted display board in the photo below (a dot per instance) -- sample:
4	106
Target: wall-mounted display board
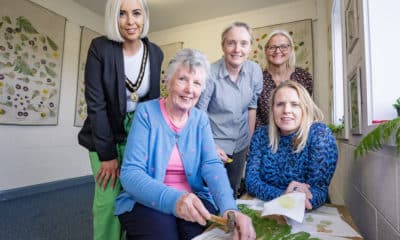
80	105
31	51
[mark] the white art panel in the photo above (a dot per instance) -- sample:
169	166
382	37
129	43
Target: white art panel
31	50
169	51
80	106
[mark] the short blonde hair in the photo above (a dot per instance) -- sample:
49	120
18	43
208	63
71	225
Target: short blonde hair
111	17
237	24
292	58
310	111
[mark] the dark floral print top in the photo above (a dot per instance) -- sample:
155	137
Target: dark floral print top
299	75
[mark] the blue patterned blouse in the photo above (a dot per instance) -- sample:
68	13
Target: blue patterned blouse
268	174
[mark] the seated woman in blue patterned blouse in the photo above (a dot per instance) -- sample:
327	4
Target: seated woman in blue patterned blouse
296	152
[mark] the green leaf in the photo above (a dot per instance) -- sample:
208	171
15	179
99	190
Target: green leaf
375	139
50	72
25	25
22	67
264	36
24	37
52	44
42	39
269	229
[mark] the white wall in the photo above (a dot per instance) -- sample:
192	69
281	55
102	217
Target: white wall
39	154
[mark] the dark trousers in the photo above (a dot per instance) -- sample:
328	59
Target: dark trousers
144	223
235	170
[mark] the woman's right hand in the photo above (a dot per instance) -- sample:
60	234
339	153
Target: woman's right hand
221	154
190	208
109	170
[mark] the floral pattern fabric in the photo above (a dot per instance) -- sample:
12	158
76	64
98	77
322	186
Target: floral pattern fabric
299	75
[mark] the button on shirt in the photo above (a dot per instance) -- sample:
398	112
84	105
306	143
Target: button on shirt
227	103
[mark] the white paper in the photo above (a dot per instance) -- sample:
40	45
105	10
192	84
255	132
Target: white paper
324	222
291	205
214	234
325	237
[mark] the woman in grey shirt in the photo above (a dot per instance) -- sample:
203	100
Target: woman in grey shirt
230	99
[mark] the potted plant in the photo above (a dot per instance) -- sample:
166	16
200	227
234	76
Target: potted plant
396	105
337	128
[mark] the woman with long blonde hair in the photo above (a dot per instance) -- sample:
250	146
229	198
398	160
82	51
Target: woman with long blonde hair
296	152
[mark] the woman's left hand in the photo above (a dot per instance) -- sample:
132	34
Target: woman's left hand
244	227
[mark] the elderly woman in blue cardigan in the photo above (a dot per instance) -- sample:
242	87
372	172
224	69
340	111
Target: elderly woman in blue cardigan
295	152
171	174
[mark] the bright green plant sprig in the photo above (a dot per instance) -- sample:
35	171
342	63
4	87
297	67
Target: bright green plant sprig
269	229
396	104
373	140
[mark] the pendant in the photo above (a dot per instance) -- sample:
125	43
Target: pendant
134	97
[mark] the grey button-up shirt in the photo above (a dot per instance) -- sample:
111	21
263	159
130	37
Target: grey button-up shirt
227	104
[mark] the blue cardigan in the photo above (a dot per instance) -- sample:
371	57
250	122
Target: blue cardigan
148	150
268	174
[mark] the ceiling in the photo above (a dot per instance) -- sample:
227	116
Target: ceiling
171	13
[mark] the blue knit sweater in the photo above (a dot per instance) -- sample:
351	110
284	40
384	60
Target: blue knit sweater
148	150
268	174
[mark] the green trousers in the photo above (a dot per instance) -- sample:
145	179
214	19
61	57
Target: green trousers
106	225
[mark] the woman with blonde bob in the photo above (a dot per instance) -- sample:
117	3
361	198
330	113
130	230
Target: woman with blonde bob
296	152
122	70
281	65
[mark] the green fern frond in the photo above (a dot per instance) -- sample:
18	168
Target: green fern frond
374	140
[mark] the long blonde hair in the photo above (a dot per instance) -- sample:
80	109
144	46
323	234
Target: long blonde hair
310	113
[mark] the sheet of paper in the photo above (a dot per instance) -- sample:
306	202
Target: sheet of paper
324	222
214	234
327	210
291	205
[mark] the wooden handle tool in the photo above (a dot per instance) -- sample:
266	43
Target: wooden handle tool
229	222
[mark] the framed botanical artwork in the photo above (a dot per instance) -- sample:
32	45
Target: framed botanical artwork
300	31
169	51
80	104
354	94
31	52
352	31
